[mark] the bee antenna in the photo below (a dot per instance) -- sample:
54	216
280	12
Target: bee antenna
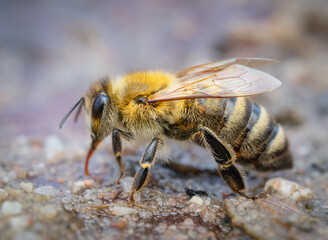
78	111
70	111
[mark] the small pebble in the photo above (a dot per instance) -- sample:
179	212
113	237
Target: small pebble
46	191
89	182
126	184
27	186
52	147
172	202
188	222
60	180
78	186
120	223
143	213
289	188
10	208
121	210
19	222
48	211
89	195
196	200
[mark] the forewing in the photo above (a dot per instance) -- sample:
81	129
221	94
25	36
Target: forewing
233	81
212	67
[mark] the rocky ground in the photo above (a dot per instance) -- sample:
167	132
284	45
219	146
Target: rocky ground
50	52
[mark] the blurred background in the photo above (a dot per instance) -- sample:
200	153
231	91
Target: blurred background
50	52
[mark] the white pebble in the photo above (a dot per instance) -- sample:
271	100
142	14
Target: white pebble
143	213
207	201
19	222
52	147
27	186
46	191
10	208
121	210
196	200
289	189
48	211
78	186
21	145
89	195
188	222
126	184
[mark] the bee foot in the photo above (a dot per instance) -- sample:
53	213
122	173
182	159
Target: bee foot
247	196
118	181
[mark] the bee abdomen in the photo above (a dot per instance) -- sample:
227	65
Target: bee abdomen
276	154
235	121
265	144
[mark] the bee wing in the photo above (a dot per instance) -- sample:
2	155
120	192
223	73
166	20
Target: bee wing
233	81
210	68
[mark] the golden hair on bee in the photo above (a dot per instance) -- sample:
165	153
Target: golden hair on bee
200	104
140	118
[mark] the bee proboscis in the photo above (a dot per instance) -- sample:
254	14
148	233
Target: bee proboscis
205	104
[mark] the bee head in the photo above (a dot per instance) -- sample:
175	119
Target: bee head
102	113
101	110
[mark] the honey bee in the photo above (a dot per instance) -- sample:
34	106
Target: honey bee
204	104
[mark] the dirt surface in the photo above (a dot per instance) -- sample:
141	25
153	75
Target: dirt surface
51	51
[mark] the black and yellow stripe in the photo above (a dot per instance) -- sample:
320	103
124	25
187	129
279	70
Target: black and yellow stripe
245	127
258	133
261	141
253	134
236	118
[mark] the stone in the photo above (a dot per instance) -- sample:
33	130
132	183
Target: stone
19	222
48	211
196	200
126	184
10	208
47	190
121	210
27	186
52	147
289	188
78	186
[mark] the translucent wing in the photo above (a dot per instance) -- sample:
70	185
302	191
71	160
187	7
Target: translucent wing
233	81
212	67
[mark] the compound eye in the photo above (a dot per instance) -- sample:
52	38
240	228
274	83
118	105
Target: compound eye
98	105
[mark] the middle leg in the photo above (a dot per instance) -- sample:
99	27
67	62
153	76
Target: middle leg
146	162
117	148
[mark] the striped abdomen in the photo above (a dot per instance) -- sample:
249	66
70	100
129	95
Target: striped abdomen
250	130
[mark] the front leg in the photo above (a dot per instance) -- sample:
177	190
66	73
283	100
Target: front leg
225	158
117	148
146	162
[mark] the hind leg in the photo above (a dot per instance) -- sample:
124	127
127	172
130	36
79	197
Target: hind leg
224	157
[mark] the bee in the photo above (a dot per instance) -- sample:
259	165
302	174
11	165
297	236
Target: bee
204	104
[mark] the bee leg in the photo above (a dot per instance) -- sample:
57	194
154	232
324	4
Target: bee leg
117	148
224	158
146	162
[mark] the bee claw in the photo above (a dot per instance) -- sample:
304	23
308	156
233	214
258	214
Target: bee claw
132	202
118	181
247	196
